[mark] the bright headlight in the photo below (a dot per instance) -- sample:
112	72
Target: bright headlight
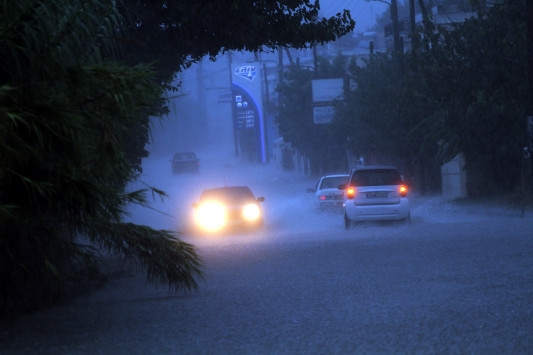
211	215
251	212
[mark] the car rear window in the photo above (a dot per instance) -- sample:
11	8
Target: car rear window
376	177
333	182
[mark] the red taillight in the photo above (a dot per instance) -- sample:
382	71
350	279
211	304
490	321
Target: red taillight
403	191
322	197
350	192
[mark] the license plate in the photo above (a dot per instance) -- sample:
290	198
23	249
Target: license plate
376	194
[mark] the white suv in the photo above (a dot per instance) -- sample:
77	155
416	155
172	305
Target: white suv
375	193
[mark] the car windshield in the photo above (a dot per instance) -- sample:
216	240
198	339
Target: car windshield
228	194
376	177
333	182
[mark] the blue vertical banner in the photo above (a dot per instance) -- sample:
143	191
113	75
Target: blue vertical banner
248	112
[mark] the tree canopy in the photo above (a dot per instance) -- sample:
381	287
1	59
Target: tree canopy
79	83
176	33
463	91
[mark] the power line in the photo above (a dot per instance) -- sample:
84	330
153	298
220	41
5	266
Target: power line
327	11
357	8
362	11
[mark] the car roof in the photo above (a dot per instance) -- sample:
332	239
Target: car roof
374	167
337	175
232	193
229	188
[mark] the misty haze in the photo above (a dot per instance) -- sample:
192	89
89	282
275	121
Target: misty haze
457	278
420	242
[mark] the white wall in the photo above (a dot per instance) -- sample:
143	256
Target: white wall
454	178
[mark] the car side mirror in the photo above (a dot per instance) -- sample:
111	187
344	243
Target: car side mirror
260	199
342	187
311	190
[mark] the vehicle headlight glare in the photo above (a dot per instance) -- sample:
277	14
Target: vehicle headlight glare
251	212
211	216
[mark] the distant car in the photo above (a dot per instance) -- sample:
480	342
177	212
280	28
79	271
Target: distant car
227	208
375	193
327	193
185	162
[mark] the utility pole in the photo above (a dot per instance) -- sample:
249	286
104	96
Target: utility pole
527	169
414	39
266	111
289	56
395	24
315	62
401	57
398	46
235	142
201	92
280	65
424	11
529	16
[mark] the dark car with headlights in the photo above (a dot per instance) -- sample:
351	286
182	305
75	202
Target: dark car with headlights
185	162
228	208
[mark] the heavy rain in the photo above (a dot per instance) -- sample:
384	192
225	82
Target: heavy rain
440	260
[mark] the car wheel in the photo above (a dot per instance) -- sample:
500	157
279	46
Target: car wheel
347	222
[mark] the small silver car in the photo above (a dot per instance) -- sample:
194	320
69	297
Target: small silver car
327	193
375	193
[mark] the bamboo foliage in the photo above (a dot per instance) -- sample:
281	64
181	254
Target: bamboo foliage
66	107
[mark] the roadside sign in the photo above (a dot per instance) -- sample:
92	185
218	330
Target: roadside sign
323	114
327	90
